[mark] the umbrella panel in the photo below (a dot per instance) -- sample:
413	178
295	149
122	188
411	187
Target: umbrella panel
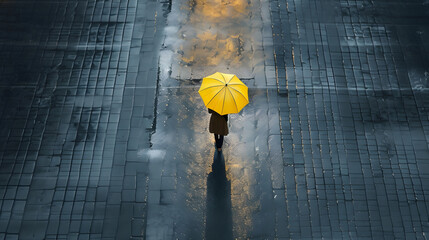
224	93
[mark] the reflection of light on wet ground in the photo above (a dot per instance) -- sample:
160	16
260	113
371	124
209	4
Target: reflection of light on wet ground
240	167
203	37
220	38
182	131
153	154
213	49
196	153
194	158
210	35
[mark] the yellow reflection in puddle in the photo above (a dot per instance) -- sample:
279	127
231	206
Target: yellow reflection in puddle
243	200
216	32
220	10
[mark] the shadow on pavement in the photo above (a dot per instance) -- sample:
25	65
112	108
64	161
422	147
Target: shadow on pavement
219	213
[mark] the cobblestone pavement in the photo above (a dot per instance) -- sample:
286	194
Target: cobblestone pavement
77	100
354	117
104	136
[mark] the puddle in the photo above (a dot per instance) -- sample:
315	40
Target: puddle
203	37
152	154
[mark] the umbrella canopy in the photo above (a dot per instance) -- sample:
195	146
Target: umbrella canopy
224	93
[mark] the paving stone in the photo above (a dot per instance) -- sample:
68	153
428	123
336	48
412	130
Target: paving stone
74	120
349	112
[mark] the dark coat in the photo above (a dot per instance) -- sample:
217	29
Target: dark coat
218	123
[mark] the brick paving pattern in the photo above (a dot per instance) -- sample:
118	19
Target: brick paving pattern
353	84
77	99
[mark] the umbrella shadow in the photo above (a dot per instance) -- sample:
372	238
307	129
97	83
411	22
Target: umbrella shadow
219	213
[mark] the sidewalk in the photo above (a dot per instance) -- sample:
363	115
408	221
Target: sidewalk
78	85
354	120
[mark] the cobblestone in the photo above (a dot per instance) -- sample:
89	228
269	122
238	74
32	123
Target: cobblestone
352	116
71	95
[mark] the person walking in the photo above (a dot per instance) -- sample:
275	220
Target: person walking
222	94
219	127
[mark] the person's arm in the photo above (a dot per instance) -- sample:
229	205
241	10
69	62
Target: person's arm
226	117
210	111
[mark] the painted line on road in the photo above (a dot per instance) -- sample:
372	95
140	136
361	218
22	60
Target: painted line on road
195	87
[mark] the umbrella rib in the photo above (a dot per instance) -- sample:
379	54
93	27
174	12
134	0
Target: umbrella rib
214	97
240	93
223	105
236	107
230	79
211	87
217	79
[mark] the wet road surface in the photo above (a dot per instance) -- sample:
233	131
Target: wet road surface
77	102
104	136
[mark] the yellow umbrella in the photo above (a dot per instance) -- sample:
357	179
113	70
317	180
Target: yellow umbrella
224	93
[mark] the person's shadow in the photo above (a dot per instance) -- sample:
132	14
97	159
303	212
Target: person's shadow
219	213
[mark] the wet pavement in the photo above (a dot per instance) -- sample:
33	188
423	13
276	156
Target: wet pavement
104	136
